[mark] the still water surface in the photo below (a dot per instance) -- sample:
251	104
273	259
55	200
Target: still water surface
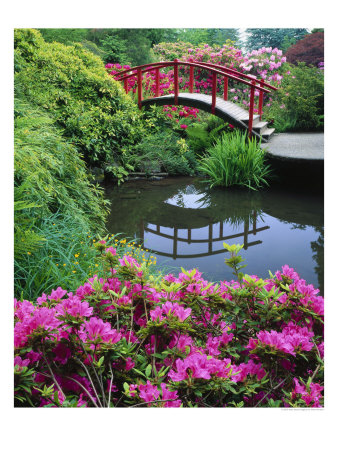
185	224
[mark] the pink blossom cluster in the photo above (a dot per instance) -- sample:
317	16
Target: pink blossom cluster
170	308
291	340
311	394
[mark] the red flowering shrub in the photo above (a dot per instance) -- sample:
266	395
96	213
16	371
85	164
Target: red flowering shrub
127	339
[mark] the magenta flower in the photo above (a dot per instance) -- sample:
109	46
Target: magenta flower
72	306
148	392
311	395
170	395
111	250
98	330
57	294
18	361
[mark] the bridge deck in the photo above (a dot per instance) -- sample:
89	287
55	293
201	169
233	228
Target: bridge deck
226	110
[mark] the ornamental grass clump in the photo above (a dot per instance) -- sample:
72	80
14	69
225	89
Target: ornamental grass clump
126	339
235	160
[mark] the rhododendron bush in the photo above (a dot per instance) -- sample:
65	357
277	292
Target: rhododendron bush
129	339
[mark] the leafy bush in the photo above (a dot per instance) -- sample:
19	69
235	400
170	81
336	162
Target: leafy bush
164	151
126	339
235	160
51	172
52	192
299	104
72	84
202	135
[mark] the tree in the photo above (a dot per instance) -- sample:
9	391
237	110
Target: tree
273	37
309	50
211	36
115	50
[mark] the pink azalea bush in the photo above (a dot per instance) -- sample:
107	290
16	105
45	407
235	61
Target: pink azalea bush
129	339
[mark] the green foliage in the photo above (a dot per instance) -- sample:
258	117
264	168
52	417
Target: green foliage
66	36
163	151
299	103
25	239
49	176
54	263
211	36
235	160
202	135
235	259
50	172
72	84
115	50
134	44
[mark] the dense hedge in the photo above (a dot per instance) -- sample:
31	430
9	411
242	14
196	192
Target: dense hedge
72	84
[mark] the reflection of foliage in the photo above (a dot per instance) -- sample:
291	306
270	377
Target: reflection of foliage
318	256
296	226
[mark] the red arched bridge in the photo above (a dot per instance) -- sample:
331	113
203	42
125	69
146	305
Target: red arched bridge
220	106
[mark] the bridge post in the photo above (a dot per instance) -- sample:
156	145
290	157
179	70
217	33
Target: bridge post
245	234
214	89
175	244
260	105
225	94
157	82
176	81
125	82
191	79
139	87
251	107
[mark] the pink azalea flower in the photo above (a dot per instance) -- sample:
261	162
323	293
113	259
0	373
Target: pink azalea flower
148	392
97	329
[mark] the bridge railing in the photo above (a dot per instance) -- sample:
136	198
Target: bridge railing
215	69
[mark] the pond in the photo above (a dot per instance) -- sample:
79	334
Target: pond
185	223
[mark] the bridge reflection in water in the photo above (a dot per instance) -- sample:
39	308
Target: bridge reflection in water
208	231
185	224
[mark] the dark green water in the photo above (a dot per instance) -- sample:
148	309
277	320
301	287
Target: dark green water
185	224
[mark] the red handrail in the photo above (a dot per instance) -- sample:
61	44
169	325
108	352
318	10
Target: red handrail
184	63
215	69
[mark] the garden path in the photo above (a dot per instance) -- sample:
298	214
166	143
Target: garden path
297	146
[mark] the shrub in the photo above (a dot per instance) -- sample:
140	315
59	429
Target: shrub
52	192
164	151
125	339
51	172
71	83
235	160
299	102
202	135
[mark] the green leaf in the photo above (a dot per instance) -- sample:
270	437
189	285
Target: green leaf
148	370
100	362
